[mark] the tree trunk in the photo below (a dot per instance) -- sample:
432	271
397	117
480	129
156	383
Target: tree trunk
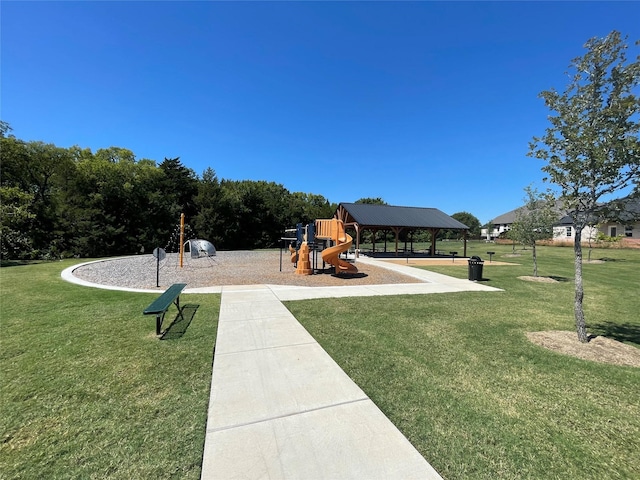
581	327
535	261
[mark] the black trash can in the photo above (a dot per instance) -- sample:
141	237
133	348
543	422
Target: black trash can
475	269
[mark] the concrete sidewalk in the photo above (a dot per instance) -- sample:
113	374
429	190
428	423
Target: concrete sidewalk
280	407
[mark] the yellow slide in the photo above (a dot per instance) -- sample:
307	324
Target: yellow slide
334	229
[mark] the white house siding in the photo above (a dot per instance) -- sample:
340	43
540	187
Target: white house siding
567	233
631	231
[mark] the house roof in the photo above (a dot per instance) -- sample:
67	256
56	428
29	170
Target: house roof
629	209
371	216
626	209
506	218
510	217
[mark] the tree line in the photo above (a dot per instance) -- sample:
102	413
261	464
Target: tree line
63	202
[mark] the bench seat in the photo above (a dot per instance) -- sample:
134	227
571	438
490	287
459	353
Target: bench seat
161	304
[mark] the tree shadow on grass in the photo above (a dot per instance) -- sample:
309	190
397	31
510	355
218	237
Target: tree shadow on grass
179	326
18	263
622	332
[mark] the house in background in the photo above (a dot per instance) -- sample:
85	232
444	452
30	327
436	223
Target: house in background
626	227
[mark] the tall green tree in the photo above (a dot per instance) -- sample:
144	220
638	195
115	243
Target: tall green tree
180	187
15	221
209	221
36	168
592	148
470	221
116	208
305	208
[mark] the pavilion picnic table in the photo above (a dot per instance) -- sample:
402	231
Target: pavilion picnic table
161	304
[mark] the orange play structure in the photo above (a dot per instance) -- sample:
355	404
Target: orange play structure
301	256
304	261
333	229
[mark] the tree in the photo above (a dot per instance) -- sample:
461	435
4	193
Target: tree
209	222
15	222
534	221
5	128
470	221
36	169
371	201
181	187
592	148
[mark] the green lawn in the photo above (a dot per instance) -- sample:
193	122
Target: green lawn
88	391
457	375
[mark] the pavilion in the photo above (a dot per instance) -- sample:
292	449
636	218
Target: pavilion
372	217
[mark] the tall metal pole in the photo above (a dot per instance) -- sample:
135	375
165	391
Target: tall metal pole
181	238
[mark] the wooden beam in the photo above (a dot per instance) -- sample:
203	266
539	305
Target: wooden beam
397	231
464	236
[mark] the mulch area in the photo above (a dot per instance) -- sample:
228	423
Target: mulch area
227	268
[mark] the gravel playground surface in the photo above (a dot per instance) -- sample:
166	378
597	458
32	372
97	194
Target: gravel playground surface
226	268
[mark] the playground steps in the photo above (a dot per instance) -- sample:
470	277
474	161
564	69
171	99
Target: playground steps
304	261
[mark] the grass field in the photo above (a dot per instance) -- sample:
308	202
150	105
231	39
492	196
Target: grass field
89	392
457	375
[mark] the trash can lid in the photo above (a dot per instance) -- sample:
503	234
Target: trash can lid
475	257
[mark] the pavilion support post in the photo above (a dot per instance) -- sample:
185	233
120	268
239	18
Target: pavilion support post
397	230
464	237
434	234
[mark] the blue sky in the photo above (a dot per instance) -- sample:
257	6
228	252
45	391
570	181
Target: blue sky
426	104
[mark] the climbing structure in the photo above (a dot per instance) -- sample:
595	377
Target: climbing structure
333	229
304	262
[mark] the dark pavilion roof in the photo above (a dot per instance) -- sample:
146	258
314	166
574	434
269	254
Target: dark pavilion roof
380	216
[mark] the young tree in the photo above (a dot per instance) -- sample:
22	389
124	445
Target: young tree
592	148
534	222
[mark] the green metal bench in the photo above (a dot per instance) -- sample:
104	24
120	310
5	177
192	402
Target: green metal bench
161	304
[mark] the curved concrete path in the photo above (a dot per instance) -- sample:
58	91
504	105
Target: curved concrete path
281	408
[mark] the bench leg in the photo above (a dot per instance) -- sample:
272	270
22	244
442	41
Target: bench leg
177	304
160	316
159	319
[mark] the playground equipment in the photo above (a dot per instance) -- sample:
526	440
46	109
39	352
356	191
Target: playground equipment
300	254
199	248
304	262
304	245
333	230
196	248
